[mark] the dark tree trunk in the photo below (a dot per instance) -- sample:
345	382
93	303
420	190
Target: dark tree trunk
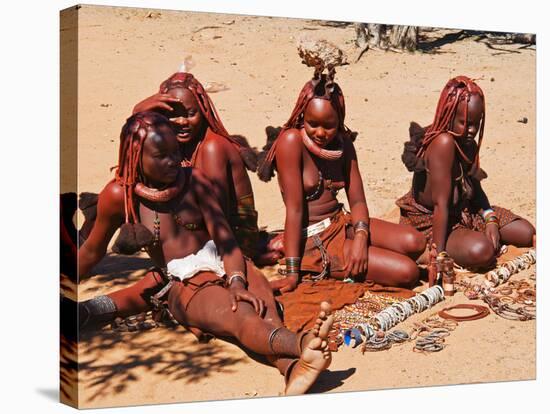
404	37
383	36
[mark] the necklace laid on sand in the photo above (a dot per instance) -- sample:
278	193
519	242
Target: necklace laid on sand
371	324
517	299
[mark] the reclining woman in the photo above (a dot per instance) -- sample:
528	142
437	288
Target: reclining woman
201	271
447	202
315	158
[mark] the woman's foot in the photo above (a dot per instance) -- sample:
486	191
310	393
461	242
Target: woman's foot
315	355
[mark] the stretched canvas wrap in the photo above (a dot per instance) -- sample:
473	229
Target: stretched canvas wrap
255	206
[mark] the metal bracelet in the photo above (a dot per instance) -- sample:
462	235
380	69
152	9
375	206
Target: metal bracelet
293	264
236	275
361	226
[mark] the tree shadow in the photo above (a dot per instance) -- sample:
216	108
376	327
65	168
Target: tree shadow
490	45
428	44
116	270
173	355
434	46
68	371
329	380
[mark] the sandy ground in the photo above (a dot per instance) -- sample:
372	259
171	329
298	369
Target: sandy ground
124	54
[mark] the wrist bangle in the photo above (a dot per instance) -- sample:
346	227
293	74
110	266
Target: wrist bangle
487	212
361	225
492	218
236	275
293	264
362	230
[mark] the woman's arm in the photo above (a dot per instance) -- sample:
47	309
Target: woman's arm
492	228
156	102
288	156
219	230
358	259
354	185
216	223
110	216
214	165
440	158
481	198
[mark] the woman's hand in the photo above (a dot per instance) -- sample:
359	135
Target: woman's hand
358	260
238	293
492	232
287	284
156	102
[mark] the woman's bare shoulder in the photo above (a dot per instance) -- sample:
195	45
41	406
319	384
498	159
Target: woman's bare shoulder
215	144
443	141
443	145
290	141
111	198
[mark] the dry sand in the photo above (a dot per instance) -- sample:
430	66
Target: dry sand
124	54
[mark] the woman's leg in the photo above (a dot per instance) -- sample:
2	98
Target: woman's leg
103	309
519	232
135	298
399	238
471	249
392	253
259	286
210	311
389	268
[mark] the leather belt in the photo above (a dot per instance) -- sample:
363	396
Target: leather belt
316	228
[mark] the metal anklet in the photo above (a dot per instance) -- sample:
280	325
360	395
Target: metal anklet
272	336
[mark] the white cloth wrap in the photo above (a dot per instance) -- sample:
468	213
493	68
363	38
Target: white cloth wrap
206	259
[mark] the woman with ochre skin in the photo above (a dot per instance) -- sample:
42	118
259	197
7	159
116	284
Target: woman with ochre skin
205	145
224	159
447	202
151	199
315	158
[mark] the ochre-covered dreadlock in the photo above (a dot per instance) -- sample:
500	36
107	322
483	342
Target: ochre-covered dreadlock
459	89
134	236
188	81
320	87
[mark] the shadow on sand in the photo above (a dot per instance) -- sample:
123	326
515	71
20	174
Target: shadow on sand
171	353
118	270
329	380
428	44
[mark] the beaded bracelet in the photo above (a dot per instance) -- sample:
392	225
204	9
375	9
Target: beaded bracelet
491	218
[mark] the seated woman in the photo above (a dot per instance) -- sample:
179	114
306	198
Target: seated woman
172	213
447	202
315	158
223	158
